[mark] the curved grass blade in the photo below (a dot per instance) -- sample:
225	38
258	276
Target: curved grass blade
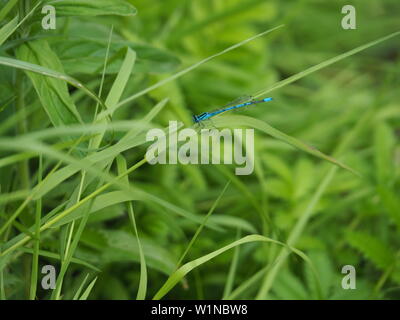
188	267
234	121
188	69
128	141
7	30
117	89
86	293
200	228
18	64
324	64
78	292
141	294
7	8
88	166
295	234
232	270
67	8
52	255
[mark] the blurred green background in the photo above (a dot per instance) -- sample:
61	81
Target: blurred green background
349	110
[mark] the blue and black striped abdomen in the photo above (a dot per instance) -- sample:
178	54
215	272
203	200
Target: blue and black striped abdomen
208	115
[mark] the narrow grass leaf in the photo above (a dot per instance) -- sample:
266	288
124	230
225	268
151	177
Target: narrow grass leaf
7	30
141	294
7	8
188	267
78	292
27	66
86	293
66	8
190	68
200	228
324	64
295	234
56	256
233	121
232	271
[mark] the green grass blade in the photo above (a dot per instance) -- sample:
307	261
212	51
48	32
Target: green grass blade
228	121
188	267
72	244
13	25
117	88
78	292
51	255
344	144
200	228
249	283
232	271
141	294
36	246
7	8
190	68
86	293
18	64
324	64
121	80
84	165
90	8
296	233
129	141
8	29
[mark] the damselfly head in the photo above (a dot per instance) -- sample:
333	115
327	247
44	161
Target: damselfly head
195	119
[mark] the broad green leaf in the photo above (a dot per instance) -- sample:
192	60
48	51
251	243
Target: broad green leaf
53	93
122	246
83	54
391	203
65	8
326	272
288	286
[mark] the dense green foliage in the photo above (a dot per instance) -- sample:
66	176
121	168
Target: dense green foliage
76	103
